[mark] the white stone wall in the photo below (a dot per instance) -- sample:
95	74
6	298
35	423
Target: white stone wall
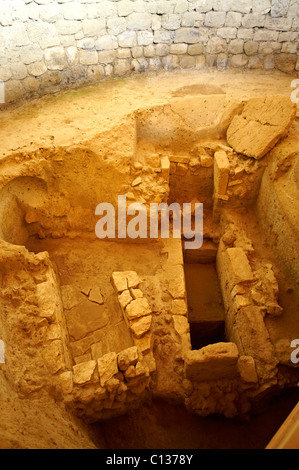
47	45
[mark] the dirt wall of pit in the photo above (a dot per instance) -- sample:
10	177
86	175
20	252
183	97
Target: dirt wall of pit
49	45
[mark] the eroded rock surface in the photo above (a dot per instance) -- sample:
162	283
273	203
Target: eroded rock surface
261	124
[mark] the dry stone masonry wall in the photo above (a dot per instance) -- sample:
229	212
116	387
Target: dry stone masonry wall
48	45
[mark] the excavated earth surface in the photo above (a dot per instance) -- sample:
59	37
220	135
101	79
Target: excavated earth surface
143	343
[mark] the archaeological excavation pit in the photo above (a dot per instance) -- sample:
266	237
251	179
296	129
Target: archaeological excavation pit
117	330
148	341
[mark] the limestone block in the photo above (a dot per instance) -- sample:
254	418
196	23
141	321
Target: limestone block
239	269
176	281
99	348
136	293
132	279
96	296
127	39
206	161
216	45
285	62
181	324
71	296
83	372
212	362
144	38
233	18
246	368
149	362
55	58
253	19
127	357
106	57
124	298
186	35
119	281
195	49
48	303
36	69
69	27
72	57
107	367
261	124
84	358
221	172
236	46
215	19
139	21
141	326
171	21
137	308
88	57
252	338
178	307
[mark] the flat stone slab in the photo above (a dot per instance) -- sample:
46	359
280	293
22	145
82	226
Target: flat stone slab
212	362
261	124
86	318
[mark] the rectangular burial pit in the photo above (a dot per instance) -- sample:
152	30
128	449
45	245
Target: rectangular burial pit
95	322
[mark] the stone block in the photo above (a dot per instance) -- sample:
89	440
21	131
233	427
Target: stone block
206	161
74	11
125	298
87	57
139	21
181	324
238	267
261	124
285	62
215	19
213	362
83	372
236	46
53	356
66	382
179	307
106	57
107	367
119	281
127	39
145	343
221	172
127	357
141	326
195	49
246	368
233	18
36	69
186	35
